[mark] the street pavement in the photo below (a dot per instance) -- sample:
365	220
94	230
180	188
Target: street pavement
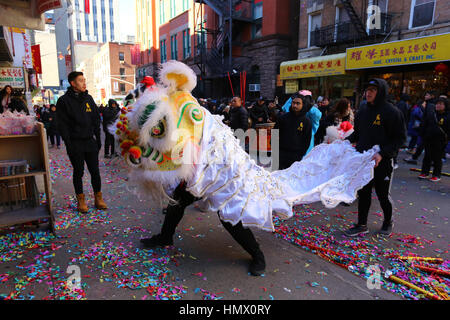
205	262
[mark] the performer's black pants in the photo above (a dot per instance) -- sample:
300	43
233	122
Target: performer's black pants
382	184
80	152
434	152
174	213
419	149
109	143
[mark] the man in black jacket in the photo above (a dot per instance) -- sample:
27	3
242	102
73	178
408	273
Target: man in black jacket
78	122
238	115
259	112
435	133
377	122
110	114
295	131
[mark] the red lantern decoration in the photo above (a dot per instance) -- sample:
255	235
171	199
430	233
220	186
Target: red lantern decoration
441	69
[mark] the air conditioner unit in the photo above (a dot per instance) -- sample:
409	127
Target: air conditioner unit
254	87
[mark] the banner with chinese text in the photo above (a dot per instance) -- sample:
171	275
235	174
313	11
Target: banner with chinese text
12	76
404	52
313	67
36	58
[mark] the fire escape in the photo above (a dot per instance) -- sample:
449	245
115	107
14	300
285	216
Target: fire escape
352	31
217	59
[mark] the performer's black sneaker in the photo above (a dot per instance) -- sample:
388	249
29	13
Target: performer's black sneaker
156	241
356	230
386	229
258	265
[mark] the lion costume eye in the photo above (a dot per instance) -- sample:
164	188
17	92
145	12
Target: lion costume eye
193	111
159	130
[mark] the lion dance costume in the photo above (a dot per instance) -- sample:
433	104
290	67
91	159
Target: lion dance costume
169	140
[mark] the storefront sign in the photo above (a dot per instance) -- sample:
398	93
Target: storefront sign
414	51
313	67
12	76
291	86
46	5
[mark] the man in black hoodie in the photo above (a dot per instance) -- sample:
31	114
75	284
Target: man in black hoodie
78	122
110	114
377	122
295	131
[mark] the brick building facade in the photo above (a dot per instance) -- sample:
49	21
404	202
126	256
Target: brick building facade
264	33
113	72
329	27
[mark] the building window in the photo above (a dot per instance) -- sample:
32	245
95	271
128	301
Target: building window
257	10
173	9
102	9
201	37
422	13
163	51
173	47
86	24
77	13
257	17
111	19
162	16
185	5
122	73
315	22
121	56
94	11
186	44
122	87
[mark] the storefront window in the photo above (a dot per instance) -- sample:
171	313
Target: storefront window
414	83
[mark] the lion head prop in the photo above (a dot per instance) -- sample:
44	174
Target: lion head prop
161	131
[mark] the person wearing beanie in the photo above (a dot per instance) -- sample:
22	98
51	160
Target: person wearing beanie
295	131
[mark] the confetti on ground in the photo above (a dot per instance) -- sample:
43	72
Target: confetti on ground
358	254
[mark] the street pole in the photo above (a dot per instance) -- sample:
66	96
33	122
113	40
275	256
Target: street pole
70	24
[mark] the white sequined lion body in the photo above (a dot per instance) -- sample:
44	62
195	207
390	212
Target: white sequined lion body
167	137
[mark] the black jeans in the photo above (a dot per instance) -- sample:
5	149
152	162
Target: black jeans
81	152
382	184
52	139
419	149
434	152
174	214
109	143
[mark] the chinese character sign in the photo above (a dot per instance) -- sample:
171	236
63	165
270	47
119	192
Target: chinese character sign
27	47
315	67
36	57
46	5
419	50
12	76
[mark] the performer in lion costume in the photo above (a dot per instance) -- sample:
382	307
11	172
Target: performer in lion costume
178	153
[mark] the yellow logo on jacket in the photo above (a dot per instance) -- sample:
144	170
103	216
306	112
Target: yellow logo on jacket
377	121
88	107
441	122
300	128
